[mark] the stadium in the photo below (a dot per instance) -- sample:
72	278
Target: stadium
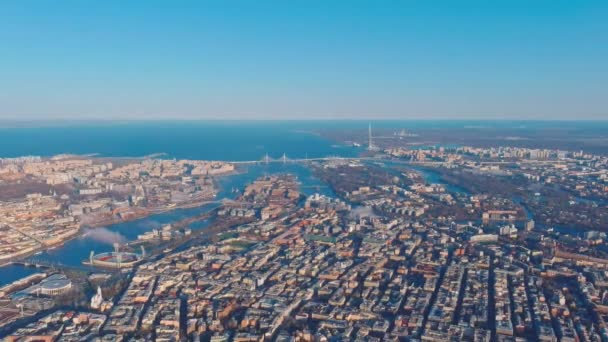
115	259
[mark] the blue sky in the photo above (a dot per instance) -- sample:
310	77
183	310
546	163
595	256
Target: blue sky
303	59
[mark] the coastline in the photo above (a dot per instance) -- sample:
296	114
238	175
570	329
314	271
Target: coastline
100	224
138	214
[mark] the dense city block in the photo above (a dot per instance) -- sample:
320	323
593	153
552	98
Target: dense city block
434	244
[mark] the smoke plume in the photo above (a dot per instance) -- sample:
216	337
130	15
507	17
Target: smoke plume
105	235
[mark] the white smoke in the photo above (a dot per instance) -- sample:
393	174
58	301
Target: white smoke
105	235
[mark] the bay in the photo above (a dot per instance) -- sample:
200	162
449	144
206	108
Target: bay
200	140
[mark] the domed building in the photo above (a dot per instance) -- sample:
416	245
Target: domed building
54	285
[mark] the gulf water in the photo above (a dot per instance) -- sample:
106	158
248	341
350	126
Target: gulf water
181	140
210	140
207	140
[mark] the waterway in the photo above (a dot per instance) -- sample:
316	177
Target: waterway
184	140
208	140
432	177
73	252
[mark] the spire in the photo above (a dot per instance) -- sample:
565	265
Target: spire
370	144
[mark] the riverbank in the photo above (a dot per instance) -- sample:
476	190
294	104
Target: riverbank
78	248
99	224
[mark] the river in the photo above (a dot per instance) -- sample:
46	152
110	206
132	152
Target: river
100	239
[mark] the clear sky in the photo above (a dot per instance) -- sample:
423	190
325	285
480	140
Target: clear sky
290	59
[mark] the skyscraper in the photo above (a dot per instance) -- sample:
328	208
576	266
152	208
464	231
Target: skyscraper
370	144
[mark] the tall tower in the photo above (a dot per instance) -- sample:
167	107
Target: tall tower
370	144
117	254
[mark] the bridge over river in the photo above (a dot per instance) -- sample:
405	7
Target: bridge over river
266	159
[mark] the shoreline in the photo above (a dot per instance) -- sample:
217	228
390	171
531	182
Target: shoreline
144	213
80	232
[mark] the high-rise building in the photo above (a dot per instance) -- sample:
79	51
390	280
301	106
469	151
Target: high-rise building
370	144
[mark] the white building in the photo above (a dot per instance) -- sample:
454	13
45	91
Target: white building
97	299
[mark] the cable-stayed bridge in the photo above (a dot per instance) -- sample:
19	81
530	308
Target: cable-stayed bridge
284	159
267	159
